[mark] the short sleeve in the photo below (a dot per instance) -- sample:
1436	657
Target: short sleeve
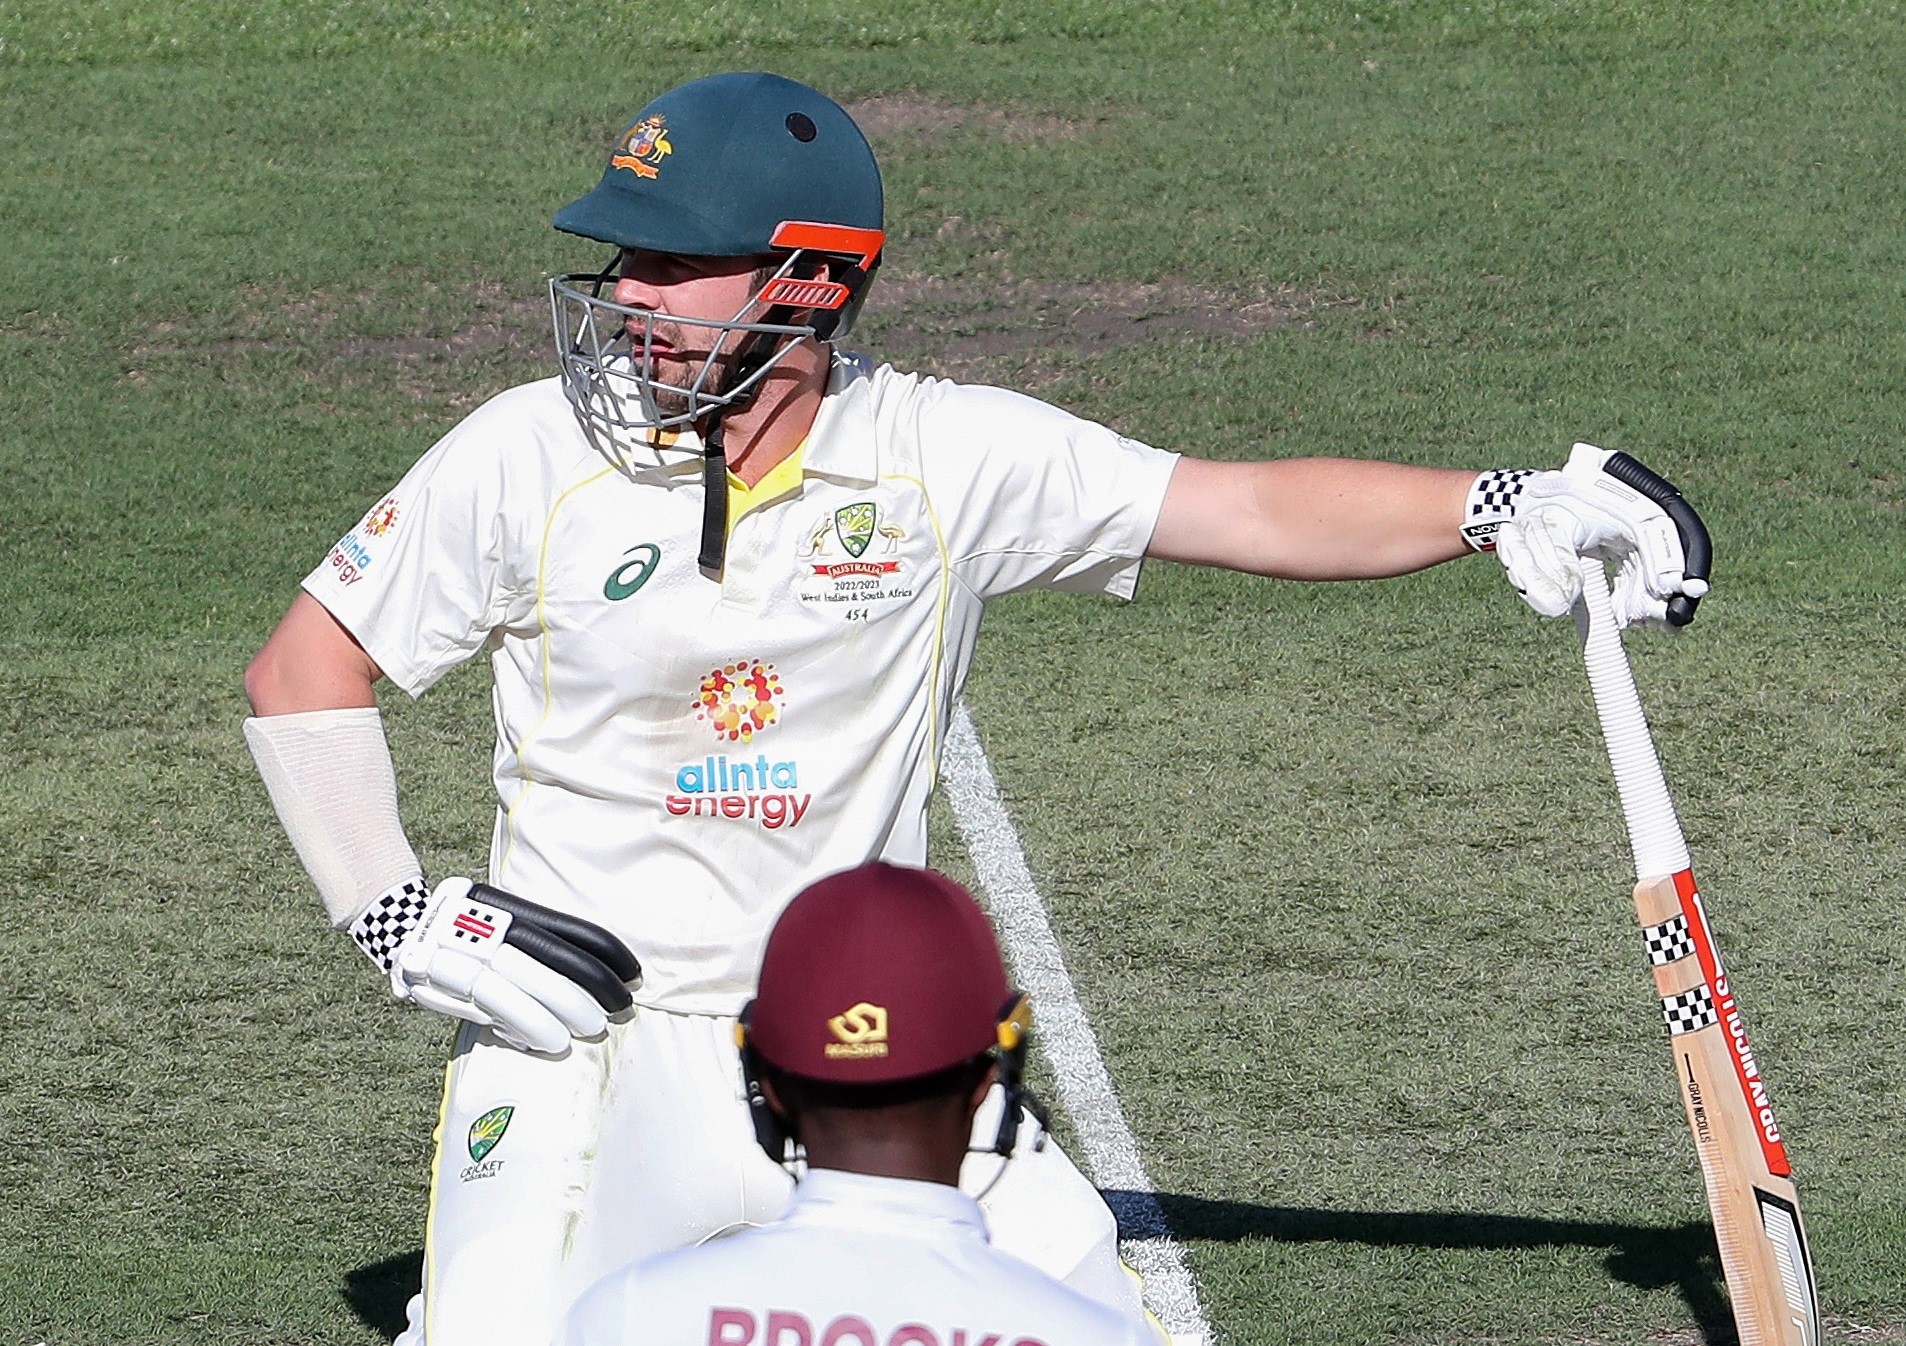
1036	497
436	564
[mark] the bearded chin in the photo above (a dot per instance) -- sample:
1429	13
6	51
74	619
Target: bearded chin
672	401
669	401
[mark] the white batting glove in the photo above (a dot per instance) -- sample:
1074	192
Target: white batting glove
537	977
1540	523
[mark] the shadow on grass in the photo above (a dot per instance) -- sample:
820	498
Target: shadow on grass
377	1293
1649	1257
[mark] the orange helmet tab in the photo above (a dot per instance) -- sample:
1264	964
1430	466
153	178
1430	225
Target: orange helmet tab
846	240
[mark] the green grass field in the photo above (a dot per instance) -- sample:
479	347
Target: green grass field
1339	869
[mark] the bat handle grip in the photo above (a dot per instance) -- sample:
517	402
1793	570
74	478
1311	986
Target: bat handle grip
1697	548
1653	829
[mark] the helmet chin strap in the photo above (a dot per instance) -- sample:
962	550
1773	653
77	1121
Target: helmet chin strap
753	354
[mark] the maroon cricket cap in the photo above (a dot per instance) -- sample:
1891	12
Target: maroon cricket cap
877	974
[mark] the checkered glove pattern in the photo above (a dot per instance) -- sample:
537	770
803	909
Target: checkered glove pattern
534	976
381	927
1492	498
1668	942
1690	1010
1545	526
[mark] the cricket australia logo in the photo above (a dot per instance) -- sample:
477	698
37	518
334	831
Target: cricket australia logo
486	1132
488	1129
852	556
855	525
644	146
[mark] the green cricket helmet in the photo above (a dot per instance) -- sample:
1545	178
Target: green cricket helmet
736	165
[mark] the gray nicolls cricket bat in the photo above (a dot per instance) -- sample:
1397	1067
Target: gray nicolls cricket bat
1750	1186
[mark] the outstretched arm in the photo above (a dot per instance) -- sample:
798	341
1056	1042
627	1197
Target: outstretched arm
1345	519
1312	518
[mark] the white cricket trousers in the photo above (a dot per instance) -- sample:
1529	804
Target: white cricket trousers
552	1172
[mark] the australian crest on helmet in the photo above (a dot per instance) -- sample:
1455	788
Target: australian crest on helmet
644	146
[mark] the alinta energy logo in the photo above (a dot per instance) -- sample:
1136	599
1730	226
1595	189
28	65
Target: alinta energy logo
740	701
381	519
351	557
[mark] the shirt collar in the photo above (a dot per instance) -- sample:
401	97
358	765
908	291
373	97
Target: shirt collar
840	443
783	478
832	1196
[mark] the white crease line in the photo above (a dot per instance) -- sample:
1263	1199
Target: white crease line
1065	1035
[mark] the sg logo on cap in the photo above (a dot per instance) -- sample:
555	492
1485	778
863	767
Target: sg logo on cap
862	1030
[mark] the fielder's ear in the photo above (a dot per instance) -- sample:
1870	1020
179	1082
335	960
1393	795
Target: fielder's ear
981	1088
772	1096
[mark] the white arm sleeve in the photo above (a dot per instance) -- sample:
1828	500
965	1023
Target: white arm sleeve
330	777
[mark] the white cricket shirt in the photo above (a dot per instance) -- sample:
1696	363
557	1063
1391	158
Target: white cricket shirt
855	1261
677	757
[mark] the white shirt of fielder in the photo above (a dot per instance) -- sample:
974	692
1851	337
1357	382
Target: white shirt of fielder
855	1261
676	758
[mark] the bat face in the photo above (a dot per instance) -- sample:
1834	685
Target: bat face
1750	1190
1743	1159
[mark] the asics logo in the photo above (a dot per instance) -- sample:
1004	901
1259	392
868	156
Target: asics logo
633	573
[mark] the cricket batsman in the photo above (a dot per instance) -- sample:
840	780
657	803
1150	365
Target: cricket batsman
728	575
